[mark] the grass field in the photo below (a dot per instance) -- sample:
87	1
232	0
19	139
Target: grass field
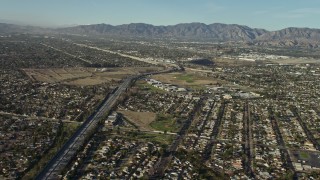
189	78
304	155
142	84
158	138
165	122
185	79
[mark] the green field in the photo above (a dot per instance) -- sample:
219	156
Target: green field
145	86
304	155
165	122
189	78
156	138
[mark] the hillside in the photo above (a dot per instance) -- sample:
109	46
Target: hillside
217	32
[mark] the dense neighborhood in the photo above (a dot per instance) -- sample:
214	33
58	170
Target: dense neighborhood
214	111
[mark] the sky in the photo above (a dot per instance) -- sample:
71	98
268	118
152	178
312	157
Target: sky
267	14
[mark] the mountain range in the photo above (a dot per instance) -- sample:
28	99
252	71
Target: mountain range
216	32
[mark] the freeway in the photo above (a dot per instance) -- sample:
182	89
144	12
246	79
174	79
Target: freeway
64	52
120	54
57	164
146	60
63	157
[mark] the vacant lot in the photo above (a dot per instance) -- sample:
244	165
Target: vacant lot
140	119
84	76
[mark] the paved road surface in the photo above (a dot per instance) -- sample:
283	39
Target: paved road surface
58	163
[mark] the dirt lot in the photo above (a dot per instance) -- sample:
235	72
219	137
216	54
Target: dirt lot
140	119
83	76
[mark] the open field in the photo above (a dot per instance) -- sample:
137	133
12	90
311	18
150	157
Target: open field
220	62
84	76
156	138
140	119
187	78
143	85
296	61
165	122
149	121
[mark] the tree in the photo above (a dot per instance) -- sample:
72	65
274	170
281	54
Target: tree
118	130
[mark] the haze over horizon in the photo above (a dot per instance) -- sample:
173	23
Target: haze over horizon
270	15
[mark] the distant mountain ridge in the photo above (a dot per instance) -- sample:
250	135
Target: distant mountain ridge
212	32
13	28
216	32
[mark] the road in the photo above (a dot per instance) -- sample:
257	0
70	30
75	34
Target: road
215	132
57	164
248	145
64	52
121	54
157	172
206	118
308	133
285	157
63	157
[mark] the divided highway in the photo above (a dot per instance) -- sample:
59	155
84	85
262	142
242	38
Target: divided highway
58	163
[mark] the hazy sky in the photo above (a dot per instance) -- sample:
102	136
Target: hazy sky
268	14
